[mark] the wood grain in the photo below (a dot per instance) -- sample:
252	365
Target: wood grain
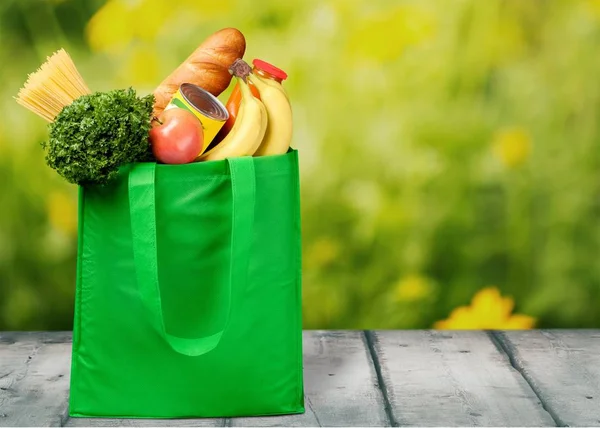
101	422
454	379
563	367
34	378
340	384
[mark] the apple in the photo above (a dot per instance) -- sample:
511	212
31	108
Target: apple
176	136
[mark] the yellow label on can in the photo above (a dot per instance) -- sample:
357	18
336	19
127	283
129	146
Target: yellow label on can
210	125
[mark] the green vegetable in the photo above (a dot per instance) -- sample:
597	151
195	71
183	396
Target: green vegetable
96	134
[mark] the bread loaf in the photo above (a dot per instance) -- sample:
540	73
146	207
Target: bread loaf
207	67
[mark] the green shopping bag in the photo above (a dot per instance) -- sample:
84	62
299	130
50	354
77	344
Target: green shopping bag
188	299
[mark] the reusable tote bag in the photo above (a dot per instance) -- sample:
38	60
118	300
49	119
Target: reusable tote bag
188	299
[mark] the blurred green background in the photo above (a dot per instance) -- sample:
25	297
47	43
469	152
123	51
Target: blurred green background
449	149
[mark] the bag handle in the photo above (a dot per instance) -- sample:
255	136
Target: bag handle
142	207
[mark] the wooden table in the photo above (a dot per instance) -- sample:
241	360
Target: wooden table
365	378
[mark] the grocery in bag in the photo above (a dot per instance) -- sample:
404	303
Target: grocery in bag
188	294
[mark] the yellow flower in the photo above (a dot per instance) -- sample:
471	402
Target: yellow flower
488	310
412	288
322	252
62	212
512	146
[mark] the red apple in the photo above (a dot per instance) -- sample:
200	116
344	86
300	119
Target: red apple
176	137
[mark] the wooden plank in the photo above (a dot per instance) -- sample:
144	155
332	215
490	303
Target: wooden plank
341	386
563	367
454	379
34	378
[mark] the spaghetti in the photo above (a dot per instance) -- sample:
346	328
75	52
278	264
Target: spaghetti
55	85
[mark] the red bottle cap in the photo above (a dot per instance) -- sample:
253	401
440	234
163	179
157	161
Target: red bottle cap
269	68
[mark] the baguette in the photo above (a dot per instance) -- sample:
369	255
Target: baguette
207	67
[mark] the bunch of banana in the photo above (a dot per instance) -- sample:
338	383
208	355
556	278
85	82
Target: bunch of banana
248	130
263	126
278	135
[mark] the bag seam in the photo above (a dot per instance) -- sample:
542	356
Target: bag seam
76	342
298	291
296	411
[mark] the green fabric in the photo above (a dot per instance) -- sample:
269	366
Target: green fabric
188	299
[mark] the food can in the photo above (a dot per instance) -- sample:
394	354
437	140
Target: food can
211	112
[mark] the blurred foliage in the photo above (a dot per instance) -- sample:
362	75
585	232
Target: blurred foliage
445	147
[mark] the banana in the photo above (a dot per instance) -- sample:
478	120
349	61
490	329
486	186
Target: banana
247	131
278	136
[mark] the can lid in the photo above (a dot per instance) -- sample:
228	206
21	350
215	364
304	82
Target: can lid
203	101
270	68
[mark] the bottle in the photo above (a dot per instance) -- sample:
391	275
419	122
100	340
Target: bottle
260	68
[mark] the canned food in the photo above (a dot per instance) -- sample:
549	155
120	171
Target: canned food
211	112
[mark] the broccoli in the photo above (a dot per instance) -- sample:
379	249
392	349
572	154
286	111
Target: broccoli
96	134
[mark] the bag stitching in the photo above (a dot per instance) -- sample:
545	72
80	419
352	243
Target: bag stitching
298	291
78	296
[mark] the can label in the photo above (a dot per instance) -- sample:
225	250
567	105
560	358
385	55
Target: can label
211	123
